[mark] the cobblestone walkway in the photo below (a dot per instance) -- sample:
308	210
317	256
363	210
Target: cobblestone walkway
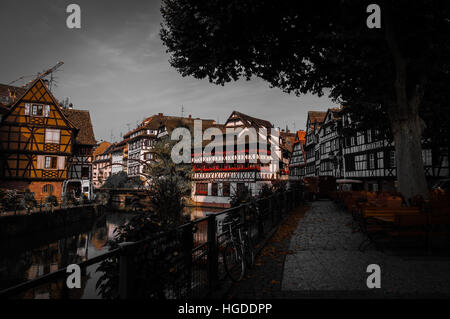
326	262
264	279
318	257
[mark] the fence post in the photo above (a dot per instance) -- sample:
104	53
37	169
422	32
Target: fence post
188	244
213	256
126	272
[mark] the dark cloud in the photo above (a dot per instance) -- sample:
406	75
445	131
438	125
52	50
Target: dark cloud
117	68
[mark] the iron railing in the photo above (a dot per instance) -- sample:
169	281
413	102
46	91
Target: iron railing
199	267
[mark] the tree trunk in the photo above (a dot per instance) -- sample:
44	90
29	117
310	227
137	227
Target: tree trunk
406	123
410	171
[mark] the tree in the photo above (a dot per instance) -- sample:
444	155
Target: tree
387	77
169	183
121	180
155	261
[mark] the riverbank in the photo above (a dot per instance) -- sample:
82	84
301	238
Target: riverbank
25	224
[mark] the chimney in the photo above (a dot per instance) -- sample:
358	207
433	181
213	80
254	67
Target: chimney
190	116
160	114
70	106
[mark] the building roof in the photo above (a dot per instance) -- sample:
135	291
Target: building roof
250	121
5	97
316	117
101	148
287	140
82	121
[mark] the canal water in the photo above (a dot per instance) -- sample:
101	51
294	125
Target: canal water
26	258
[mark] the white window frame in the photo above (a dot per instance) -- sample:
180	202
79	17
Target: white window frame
52	136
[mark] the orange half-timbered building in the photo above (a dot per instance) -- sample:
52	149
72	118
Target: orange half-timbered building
36	141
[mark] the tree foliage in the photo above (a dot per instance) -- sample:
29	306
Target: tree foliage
156	261
121	180
393	78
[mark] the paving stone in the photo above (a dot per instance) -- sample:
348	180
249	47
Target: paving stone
326	263
327	259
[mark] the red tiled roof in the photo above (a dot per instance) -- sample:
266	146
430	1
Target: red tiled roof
82	121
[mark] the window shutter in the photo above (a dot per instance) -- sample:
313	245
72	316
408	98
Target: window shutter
61	162
47	110
40	161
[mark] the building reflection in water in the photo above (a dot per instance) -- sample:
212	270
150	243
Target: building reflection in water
18	266
46	253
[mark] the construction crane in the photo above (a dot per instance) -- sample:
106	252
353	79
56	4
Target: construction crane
45	73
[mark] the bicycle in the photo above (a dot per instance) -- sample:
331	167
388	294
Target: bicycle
238	254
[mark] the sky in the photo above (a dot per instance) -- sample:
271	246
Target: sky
116	67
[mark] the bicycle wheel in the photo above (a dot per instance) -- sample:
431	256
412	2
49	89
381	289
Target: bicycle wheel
233	262
249	253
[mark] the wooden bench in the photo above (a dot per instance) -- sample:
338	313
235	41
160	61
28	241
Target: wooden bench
387	221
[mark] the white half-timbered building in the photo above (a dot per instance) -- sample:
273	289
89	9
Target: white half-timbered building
329	145
371	158
297	162
218	176
312	148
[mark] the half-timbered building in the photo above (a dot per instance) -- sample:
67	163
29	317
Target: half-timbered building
297	162
287	140
219	175
332	149
117	157
370	157
36	141
80	163
329	141
101	166
313	124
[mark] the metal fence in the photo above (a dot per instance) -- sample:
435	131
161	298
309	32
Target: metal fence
197	270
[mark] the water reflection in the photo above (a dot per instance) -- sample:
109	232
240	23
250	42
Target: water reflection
30	257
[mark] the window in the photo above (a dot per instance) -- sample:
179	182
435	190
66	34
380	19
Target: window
360	138
214	189
47	189
38	110
201	189
52	136
369	136
372	160
226	189
392	162
51	162
427	157
380	159
361	162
